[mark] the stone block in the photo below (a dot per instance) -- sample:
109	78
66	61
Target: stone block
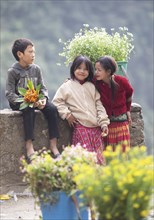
137	127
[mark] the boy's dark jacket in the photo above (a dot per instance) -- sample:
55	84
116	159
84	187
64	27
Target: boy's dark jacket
18	76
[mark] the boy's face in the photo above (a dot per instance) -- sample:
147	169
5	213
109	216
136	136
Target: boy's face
27	57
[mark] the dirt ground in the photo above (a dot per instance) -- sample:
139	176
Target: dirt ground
21	208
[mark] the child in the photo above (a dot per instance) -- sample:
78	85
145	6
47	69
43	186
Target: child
24	69
78	101
116	96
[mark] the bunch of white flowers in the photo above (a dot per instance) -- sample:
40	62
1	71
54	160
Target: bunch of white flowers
96	42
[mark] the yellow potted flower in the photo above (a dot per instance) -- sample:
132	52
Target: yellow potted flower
52	184
123	189
96	42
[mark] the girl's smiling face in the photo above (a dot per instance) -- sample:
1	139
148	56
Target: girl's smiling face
81	73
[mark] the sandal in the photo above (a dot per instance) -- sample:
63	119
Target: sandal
30	158
42	151
55	155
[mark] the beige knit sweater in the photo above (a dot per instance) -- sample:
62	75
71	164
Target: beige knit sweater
83	102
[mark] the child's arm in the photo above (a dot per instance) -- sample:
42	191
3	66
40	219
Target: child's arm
102	116
43	88
10	91
59	101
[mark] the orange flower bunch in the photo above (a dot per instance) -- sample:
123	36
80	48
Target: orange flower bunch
29	96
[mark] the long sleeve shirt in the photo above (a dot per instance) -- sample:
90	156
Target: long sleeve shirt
82	101
122	99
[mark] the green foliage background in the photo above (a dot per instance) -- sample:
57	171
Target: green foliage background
45	21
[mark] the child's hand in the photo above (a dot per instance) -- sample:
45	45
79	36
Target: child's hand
129	118
71	120
42	103
36	104
105	131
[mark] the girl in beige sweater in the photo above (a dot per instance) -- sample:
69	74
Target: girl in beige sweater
78	101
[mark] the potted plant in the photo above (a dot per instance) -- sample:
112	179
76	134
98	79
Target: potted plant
52	184
96	42
121	190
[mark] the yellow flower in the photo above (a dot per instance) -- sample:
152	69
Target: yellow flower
136	205
141	194
107	189
127	149
143	213
106	198
134	196
146	198
106	154
109	148
107	171
90	189
125	192
130	180
120	184
142	148
118	149
125	179
108	216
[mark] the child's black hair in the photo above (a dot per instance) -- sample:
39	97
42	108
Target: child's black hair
77	62
20	45
109	64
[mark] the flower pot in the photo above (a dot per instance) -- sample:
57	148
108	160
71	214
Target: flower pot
63	207
122	68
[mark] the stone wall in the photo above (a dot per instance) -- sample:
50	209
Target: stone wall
12	145
137	127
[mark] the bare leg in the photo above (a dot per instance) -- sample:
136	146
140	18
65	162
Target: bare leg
29	147
53	146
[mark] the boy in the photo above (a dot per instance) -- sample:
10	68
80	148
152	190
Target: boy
24	52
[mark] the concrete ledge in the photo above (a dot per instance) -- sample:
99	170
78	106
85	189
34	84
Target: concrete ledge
12	144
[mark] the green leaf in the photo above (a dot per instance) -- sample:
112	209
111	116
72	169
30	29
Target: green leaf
19	100
23	105
31	105
38	88
30	84
41	96
22	91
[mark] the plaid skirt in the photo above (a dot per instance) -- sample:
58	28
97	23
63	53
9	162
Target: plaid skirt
91	139
118	134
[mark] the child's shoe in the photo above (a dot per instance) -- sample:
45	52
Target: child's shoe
55	156
30	158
